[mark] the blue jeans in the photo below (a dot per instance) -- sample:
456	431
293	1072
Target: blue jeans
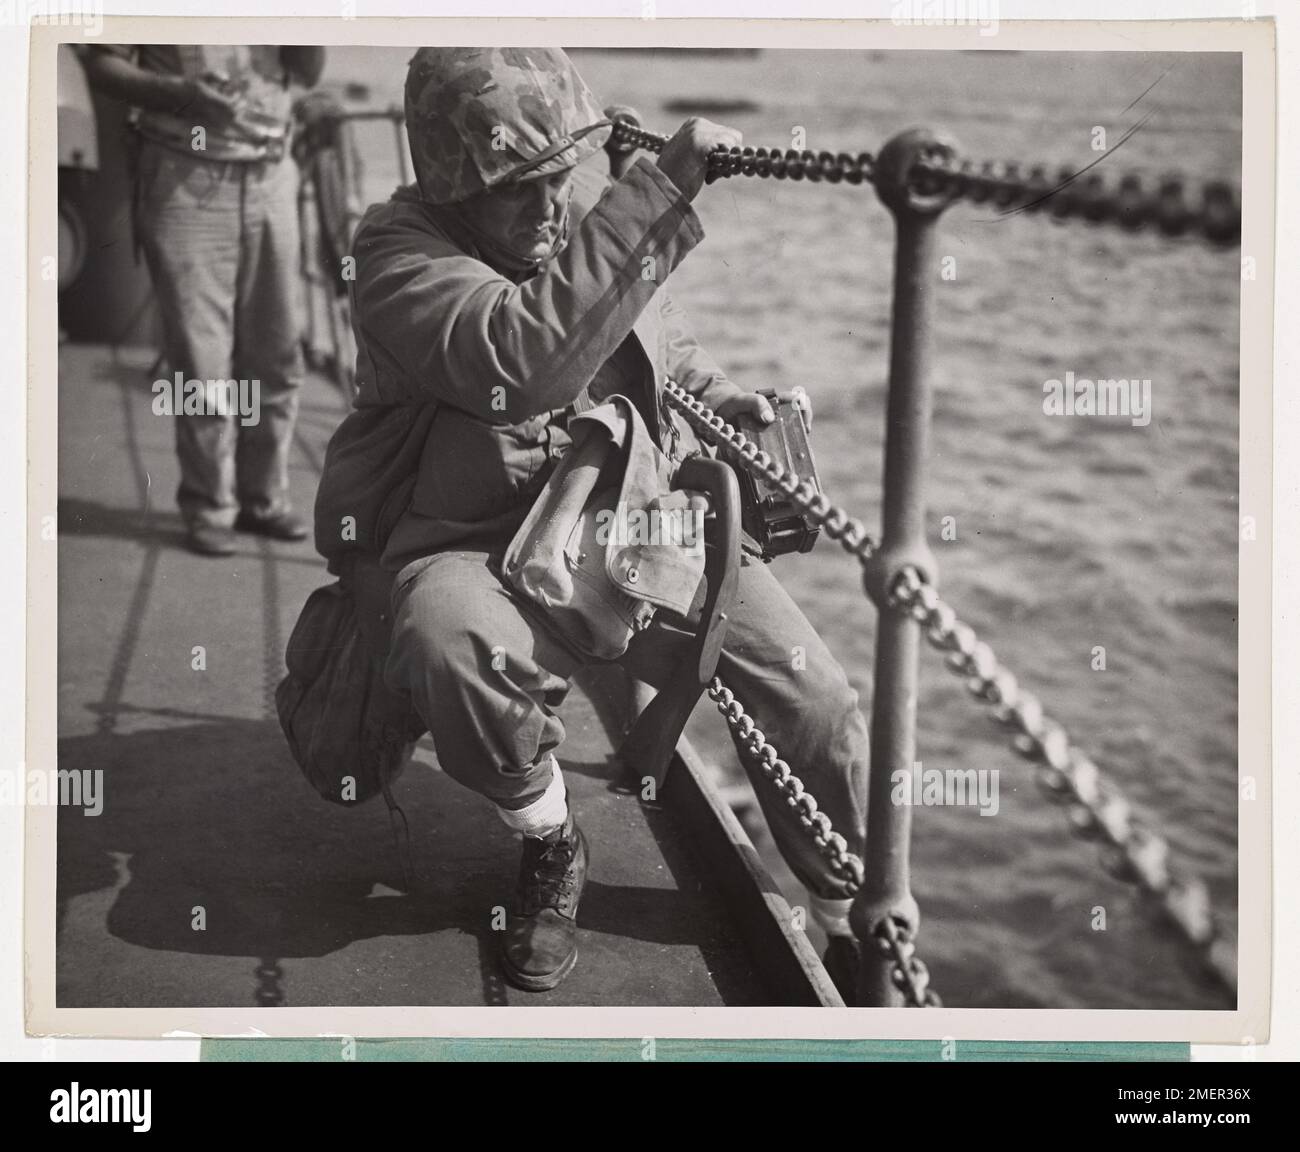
221	242
488	677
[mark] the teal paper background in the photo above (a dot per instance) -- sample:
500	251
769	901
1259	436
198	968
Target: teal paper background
720	1051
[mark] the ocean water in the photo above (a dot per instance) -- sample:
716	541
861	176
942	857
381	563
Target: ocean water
1071	533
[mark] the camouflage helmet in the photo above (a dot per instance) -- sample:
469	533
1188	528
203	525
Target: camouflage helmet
480	117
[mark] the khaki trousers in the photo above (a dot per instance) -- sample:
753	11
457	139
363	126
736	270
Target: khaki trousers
221	242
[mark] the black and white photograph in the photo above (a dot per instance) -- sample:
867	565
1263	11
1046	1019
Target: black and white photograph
610	525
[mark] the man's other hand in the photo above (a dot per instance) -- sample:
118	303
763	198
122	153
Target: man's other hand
685	157
749	404
756	406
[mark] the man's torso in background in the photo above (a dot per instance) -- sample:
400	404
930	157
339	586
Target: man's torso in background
252	74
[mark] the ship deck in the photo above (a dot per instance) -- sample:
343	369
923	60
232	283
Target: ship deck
305	903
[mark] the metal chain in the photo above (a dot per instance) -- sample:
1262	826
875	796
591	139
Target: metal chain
832	846
764	162
909	974
1128	202
1097	809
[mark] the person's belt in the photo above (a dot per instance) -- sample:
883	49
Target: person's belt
273	151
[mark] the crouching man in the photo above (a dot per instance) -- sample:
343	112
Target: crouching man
501	294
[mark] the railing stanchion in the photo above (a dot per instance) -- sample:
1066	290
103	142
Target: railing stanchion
886	892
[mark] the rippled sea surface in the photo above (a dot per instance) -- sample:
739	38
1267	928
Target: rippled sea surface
1071	533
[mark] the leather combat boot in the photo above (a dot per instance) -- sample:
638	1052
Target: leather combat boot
541	943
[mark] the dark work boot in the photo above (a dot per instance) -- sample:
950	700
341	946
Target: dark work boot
541	944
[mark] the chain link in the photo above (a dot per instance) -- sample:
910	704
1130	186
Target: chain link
909	974
1097	809
1129	201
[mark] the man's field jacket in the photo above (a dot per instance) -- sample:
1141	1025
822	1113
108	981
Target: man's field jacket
464	375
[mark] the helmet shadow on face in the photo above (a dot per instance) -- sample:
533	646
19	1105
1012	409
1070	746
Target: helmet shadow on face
522	217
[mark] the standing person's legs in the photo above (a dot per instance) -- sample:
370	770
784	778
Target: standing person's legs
268	348
188	223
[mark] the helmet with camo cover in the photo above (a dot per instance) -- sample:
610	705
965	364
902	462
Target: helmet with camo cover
480	117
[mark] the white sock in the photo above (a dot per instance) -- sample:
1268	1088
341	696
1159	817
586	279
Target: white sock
832	915
545	814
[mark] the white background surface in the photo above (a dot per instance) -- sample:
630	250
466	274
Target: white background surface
1285	1044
